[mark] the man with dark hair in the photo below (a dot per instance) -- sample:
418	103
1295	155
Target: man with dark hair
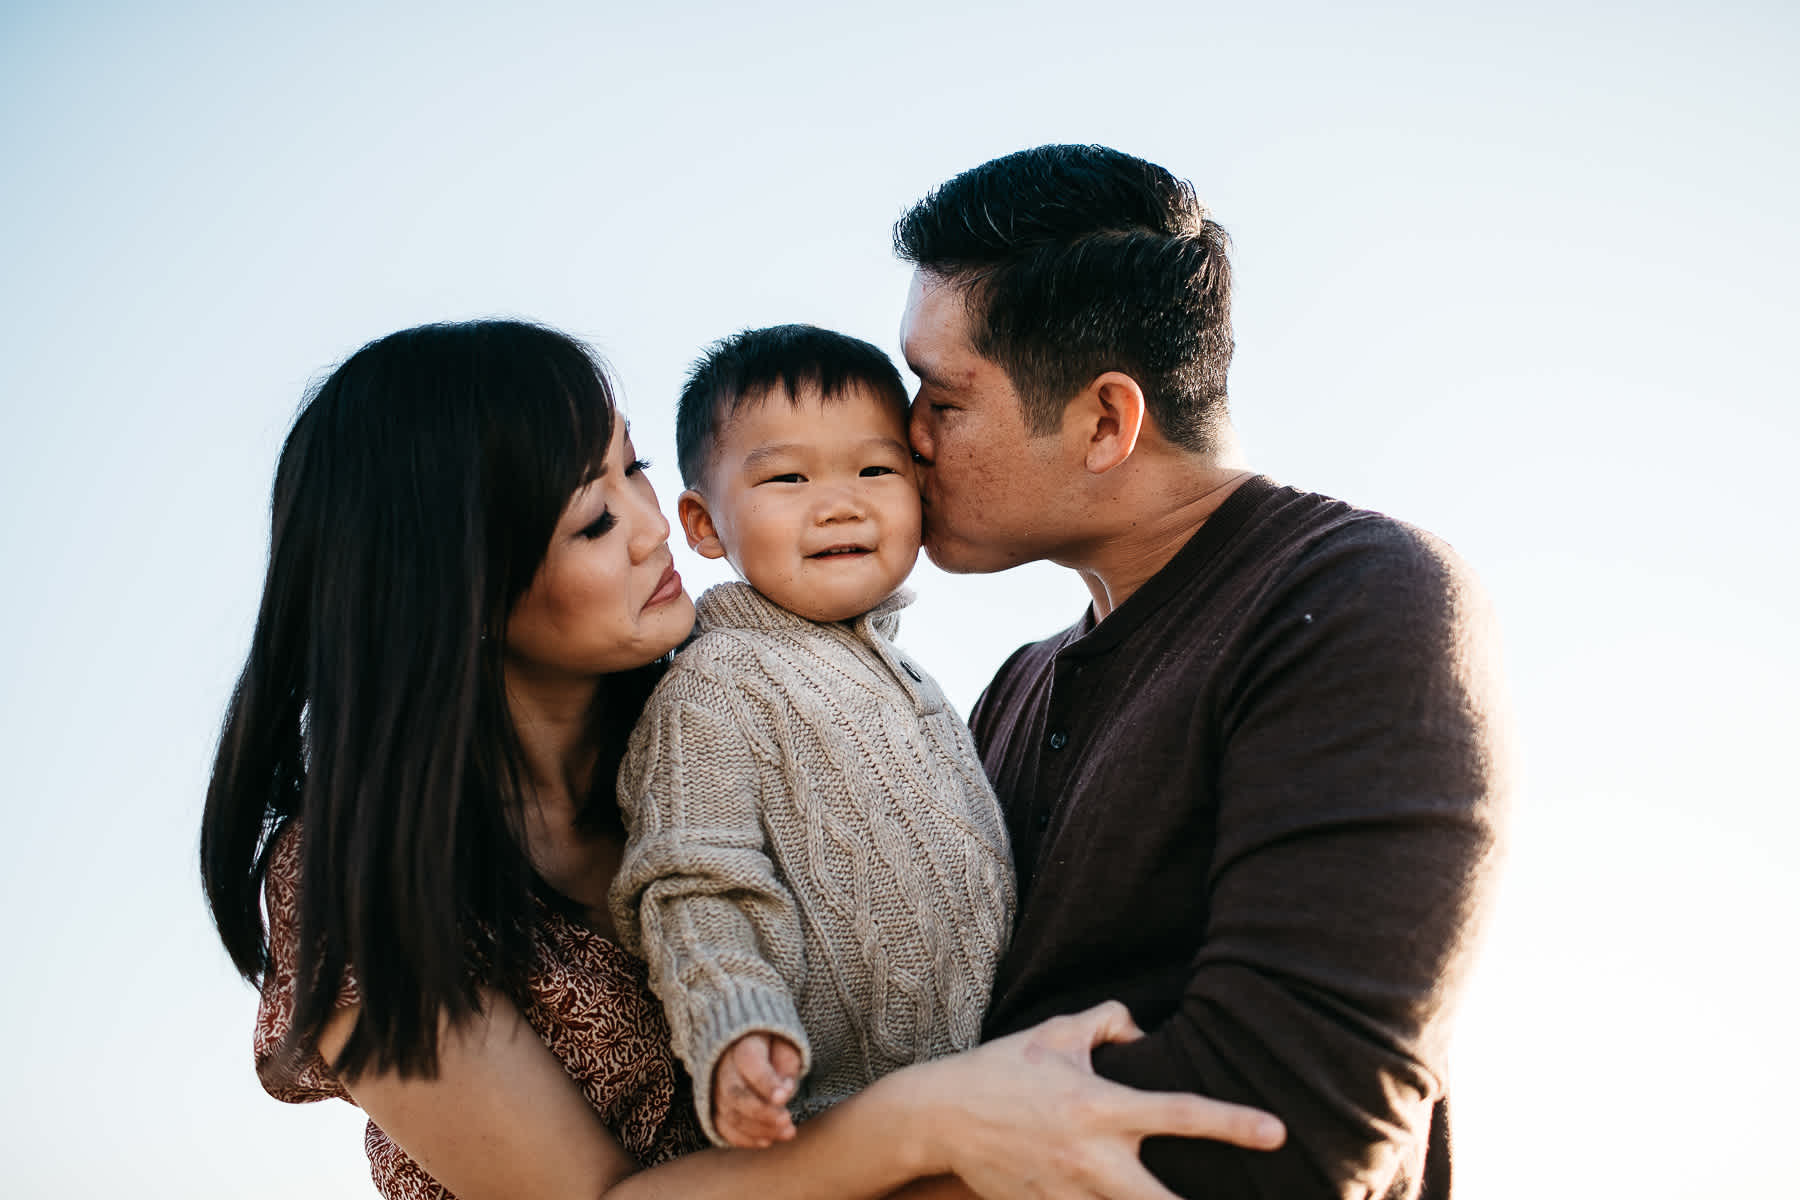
1255	792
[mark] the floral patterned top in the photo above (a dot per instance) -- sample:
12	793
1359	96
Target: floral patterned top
590	1002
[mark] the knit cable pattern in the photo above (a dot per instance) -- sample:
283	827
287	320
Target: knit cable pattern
815	850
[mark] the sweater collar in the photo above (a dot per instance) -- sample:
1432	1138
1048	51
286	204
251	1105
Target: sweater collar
737	605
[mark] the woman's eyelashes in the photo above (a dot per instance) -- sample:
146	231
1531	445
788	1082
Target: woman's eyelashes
598	526
605	521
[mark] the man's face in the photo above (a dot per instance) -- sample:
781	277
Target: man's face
992	490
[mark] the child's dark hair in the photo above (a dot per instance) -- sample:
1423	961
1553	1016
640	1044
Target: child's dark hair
744	368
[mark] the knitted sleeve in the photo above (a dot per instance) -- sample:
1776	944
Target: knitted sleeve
1360	802
697	895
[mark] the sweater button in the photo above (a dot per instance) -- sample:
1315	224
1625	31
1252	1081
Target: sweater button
1058	740
910	670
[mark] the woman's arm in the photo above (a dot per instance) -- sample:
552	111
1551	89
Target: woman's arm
1023	1116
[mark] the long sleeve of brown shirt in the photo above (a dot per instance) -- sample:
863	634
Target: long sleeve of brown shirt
1260	804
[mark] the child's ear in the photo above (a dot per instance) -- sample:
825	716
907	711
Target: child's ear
697	523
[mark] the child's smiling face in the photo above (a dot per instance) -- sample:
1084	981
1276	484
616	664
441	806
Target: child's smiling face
814	502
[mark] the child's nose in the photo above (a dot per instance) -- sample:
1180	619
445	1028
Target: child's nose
839	504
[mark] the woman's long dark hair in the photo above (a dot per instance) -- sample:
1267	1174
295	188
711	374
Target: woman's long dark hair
414	500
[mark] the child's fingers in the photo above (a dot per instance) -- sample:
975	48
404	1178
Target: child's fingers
745	1119
758	1125
784	1060
735	1108
750	1055
749	1093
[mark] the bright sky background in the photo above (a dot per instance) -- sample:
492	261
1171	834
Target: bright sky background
1523	274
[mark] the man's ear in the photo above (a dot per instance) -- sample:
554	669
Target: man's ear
1111	412
697	523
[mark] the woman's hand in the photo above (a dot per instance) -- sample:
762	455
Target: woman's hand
1025	1116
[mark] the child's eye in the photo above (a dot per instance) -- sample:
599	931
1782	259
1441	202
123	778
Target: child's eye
789	477
872	472
598	526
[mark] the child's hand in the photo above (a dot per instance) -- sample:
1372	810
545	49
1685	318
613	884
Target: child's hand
756	1077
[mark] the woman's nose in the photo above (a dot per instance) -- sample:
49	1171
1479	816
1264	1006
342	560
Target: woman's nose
649	529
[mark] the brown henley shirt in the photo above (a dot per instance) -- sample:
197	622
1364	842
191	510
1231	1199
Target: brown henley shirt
1260	804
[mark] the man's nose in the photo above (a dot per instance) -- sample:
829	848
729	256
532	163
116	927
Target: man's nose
918	434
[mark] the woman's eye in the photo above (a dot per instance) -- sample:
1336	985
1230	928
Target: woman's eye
599	525
872	472
637	466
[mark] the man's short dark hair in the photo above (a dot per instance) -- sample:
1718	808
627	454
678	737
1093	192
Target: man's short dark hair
744	368
1076	260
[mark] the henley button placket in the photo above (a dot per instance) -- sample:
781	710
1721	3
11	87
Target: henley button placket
1052	771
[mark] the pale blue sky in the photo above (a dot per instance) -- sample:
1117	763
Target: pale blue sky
1523	275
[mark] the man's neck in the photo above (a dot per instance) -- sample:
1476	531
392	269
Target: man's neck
1160	511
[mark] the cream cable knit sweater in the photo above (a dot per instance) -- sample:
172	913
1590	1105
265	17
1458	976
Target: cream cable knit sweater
815	850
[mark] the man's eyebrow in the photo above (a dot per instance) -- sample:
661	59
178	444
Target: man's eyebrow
927	375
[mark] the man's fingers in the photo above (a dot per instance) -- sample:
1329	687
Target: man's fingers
1126	1178
1110	1022
1184	1115
1078	1033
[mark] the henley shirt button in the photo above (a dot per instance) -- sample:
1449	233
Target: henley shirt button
1043	820
1058	740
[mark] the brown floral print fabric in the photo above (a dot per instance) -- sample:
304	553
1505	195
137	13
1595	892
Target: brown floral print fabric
589	1001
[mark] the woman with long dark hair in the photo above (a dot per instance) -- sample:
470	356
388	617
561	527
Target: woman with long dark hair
469	595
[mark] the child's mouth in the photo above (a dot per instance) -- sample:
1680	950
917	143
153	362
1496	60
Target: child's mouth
841	552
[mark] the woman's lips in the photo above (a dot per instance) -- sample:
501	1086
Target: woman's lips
667	588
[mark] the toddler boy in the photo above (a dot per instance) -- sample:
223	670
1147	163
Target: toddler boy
818	872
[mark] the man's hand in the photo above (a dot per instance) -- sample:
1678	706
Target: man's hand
1028	1119
756	1077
